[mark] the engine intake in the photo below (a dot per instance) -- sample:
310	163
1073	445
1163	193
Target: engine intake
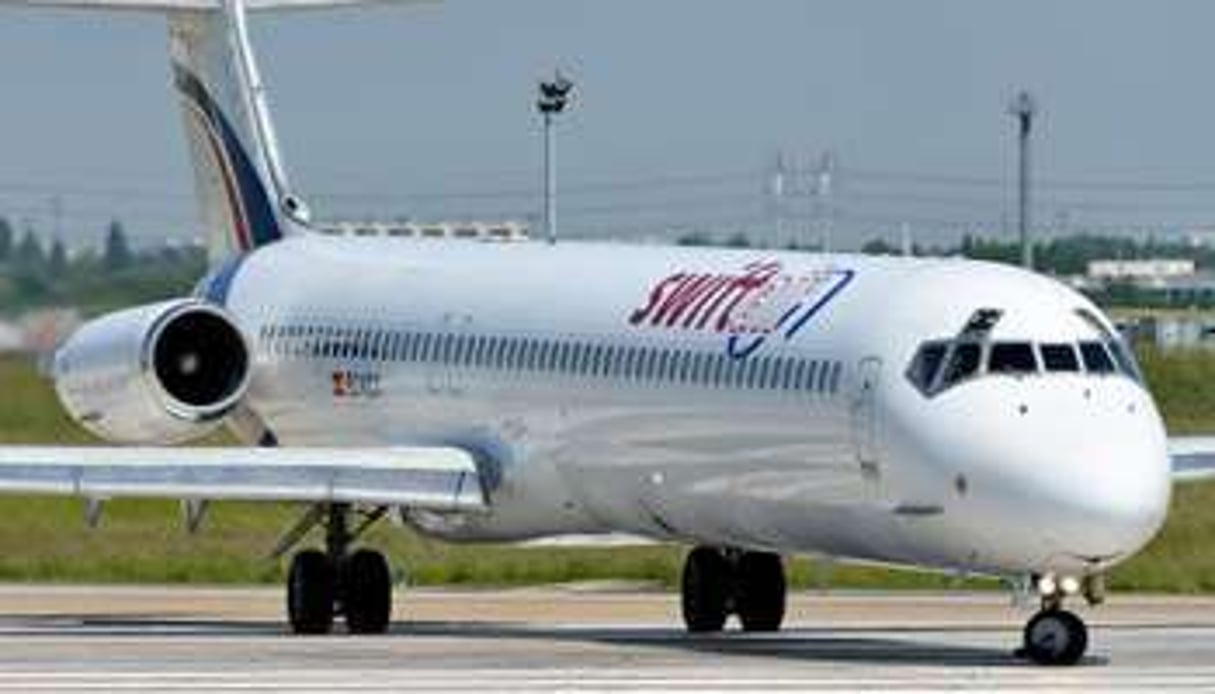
154	374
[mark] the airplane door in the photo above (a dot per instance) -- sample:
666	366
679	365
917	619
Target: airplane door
865	418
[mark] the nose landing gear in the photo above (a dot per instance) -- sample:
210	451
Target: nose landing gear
718	583
1055	636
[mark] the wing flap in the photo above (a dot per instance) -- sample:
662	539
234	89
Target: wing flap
440	479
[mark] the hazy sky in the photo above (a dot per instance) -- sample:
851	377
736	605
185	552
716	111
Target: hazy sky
682	108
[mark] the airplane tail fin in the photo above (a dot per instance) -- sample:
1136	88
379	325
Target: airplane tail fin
244	197
242	190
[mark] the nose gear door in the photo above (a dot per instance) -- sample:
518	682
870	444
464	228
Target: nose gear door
865	418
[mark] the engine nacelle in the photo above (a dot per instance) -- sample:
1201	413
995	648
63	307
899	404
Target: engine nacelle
160	373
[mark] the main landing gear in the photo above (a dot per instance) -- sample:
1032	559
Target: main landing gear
322	585
1055	636
718	583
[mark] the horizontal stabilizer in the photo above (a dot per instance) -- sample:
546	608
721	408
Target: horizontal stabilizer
171	6
1193	457
437	479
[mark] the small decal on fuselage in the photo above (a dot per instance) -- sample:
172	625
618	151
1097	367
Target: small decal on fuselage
761	302
356	384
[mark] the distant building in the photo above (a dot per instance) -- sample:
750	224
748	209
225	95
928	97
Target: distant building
1169	332
476	230
43	331
12	338
1154	272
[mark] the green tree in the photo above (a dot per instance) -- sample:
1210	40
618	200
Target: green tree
878	247
29	255
738	240
57	263
6	239
695	238
118	254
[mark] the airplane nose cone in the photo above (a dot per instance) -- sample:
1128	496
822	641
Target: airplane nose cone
1107	500
1095	487
1069	476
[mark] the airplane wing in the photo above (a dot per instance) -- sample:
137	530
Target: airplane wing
438	479
1193	457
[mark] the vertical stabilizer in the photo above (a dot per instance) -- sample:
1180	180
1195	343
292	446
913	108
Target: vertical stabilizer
239	179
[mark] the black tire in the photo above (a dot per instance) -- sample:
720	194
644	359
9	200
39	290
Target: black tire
706	587
1055	637
310	593
761	591
367	583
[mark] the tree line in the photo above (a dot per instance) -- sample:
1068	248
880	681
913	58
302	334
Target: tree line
35	274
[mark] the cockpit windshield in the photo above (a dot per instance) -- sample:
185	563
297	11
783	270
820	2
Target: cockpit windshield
1059	357
1011	358
1096	359
964	362
939	365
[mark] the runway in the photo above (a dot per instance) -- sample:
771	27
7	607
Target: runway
190	639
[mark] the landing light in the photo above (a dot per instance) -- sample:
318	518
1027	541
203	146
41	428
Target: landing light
1070	585
1050	585
1047	585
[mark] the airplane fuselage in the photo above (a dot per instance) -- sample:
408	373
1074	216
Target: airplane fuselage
734	398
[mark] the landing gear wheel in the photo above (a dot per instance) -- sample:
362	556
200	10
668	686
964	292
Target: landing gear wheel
706	590
1055	637
310	592
367	589
760	602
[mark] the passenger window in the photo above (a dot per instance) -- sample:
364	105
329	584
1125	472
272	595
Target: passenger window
963	363
631	357
1096	359
762	369
509	351
777	375
546	356
565	357
836	372
824	372
1059	357
753	373
924	366
533	355
1011	358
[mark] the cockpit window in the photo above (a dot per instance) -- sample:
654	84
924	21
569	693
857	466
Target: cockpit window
1012	358
1059	357
939	365
926	364
1096	359
963	363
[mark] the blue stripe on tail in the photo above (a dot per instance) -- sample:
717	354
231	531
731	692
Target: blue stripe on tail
260	211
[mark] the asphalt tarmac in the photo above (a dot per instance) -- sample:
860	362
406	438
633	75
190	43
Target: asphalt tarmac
585	638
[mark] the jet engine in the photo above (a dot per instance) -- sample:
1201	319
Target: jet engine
154	374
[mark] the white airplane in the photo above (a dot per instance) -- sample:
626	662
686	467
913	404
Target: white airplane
934	413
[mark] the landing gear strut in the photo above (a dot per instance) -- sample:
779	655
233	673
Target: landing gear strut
718	583
321	585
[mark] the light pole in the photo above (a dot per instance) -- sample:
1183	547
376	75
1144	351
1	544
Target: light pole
1023	109
554	97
